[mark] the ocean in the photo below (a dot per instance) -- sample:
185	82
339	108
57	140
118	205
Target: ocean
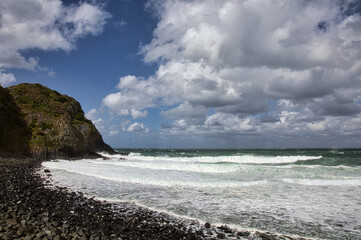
310	193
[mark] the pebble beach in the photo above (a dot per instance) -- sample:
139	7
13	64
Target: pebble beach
32	208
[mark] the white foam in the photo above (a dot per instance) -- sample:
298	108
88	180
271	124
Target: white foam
246	159
313	166
112	156
324	182
259	159
85	169
188	167
154	209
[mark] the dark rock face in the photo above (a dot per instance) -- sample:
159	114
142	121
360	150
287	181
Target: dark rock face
14	133
54	124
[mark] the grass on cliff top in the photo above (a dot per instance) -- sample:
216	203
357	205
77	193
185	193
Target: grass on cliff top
38	99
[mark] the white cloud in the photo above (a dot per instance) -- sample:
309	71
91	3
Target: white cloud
138	114
136	127
97	121
185	110
86	19
113	132
6	79
127	82
296	71
13	59
45	25
229	123
91	114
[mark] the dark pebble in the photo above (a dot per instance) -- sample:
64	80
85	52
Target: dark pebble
243	234
221	236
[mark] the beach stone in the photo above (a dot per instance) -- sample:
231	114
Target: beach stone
266	236
243	234
207	225
225	229
221	236
40	234
21	231
29	237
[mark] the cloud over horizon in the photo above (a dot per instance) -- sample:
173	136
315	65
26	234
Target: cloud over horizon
236	67
44	25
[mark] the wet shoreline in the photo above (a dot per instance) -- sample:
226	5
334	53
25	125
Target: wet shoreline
29	209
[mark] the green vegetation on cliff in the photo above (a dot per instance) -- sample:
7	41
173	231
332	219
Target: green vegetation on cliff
56	123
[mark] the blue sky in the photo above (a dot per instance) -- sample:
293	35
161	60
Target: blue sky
195	74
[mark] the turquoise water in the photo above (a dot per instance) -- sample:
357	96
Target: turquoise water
310	193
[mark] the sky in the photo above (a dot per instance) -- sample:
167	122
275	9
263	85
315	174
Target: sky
195	73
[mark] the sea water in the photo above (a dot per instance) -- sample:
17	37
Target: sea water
309	193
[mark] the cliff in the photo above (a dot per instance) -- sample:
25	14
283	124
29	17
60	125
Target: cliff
55	126
14	133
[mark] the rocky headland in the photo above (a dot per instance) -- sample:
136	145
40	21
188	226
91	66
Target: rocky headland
42	123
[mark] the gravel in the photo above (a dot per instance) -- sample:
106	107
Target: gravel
29	209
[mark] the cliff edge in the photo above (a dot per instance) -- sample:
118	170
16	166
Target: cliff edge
47	124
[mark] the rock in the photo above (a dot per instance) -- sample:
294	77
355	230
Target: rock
39	121
221	236
266	236
40	235
59	237
15	135
207	225
243	234
225	229
21	231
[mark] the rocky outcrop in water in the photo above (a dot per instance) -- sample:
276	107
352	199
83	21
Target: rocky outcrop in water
47	124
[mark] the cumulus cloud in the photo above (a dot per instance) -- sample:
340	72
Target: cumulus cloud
91	114
137	127
6	79
185	110
244	69
138	114
113	132
44	25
